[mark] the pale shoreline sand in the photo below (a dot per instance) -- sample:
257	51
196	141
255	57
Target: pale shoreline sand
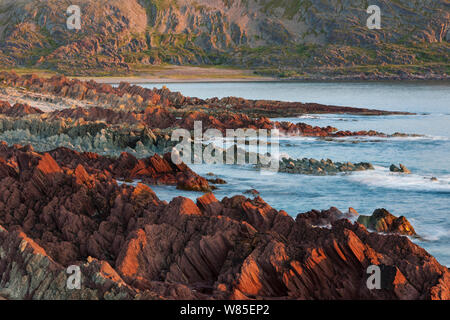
178	74
167	74
147	80
163	74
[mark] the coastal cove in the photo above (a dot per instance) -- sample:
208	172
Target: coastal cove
225	158
422	201
87	172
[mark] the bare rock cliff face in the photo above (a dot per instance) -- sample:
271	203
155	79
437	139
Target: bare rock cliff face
38	28
268	22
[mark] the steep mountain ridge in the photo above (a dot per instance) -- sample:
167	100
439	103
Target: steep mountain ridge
265	22
286	37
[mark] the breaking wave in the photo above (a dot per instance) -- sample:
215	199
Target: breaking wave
381	177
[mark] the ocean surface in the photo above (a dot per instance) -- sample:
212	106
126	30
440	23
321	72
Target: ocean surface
425	203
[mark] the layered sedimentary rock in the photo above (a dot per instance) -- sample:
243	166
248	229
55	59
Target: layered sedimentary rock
88	116
382	220
137	97
64	208
93	117
67	207
322	167
126	168
29	272
17	110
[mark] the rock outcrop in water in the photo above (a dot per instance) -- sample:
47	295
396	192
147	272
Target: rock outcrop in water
64	208
382	220
153	170
322	167
400	169
87	116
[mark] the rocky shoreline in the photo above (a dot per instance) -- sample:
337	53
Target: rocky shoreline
79	193
141	79
80	160
52	216
127	95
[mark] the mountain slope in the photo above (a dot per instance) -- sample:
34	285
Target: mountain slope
286	37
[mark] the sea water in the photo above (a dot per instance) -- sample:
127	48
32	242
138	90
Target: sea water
425	203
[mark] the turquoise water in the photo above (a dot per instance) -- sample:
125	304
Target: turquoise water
424	202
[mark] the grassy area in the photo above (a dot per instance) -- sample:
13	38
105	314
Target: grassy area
163	73
23	70
185	61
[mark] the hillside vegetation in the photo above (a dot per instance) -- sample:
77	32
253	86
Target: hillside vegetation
285	38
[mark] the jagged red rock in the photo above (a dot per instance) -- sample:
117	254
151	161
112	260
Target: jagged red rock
130	244
163	109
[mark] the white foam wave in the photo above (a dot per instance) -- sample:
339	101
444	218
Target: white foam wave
288	138
394	138
308	116
330	116
431	233
383	178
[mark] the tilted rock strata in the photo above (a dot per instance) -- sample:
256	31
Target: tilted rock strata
17	110
382	220
64	208
94	129
400	169
108	120
135	98
152	170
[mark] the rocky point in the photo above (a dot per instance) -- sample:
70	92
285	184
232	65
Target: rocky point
65	208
